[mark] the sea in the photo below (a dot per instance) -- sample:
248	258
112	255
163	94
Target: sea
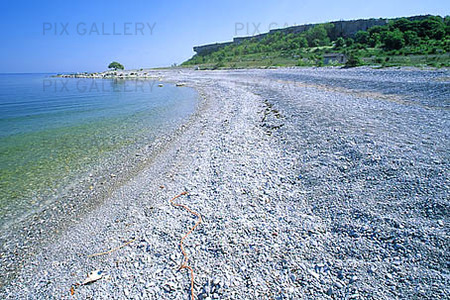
56	131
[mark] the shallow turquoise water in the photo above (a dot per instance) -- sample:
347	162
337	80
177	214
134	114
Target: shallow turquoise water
56	130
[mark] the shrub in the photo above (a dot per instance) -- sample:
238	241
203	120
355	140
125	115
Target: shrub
339	43
302	42
317	36
353	61
349	42
393	40
362	37
218	65
411	38
319	62
432	27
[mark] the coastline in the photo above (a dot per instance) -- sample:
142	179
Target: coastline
271	222
32	230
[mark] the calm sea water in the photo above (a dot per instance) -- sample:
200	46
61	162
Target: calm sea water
56	130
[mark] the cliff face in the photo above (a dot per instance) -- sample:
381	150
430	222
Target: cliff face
341	29
211	47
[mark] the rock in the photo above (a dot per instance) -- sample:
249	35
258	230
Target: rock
170	286
313	273
338	285
330	292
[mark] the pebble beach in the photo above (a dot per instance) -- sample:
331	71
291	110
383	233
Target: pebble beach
312	183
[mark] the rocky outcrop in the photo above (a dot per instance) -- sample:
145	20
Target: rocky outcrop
341	29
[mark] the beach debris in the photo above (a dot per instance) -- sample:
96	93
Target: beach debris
180	84
92	276
160	85
72	290
112	250
185	260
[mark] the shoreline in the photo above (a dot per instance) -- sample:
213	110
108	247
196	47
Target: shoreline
34	229
291	181
156	73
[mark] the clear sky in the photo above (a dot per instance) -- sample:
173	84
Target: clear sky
73	36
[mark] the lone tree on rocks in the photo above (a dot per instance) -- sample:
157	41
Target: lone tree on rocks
116	66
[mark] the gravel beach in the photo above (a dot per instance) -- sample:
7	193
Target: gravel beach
312	183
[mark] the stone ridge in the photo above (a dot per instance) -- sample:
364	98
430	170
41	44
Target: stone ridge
341	28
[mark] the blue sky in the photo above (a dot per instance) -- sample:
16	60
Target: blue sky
67	36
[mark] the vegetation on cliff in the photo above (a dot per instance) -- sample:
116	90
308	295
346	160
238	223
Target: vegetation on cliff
423	42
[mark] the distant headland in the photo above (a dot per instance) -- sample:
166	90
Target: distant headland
340	29
421	41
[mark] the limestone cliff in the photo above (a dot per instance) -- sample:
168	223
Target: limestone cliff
341	29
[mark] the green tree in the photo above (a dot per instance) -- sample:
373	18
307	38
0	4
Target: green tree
403	24
116	66
411	38
374	40
447	25
317	36
393	40
302	42
362	37
349	42
377	29
339	43
432	27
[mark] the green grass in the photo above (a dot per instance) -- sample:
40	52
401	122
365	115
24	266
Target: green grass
277	60
400	43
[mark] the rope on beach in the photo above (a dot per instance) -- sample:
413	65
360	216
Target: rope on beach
112	250
185	265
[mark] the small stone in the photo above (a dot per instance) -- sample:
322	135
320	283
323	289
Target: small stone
170	286
313	273
353	279
330	292
338	285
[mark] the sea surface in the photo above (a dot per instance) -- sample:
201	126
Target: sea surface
56	131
